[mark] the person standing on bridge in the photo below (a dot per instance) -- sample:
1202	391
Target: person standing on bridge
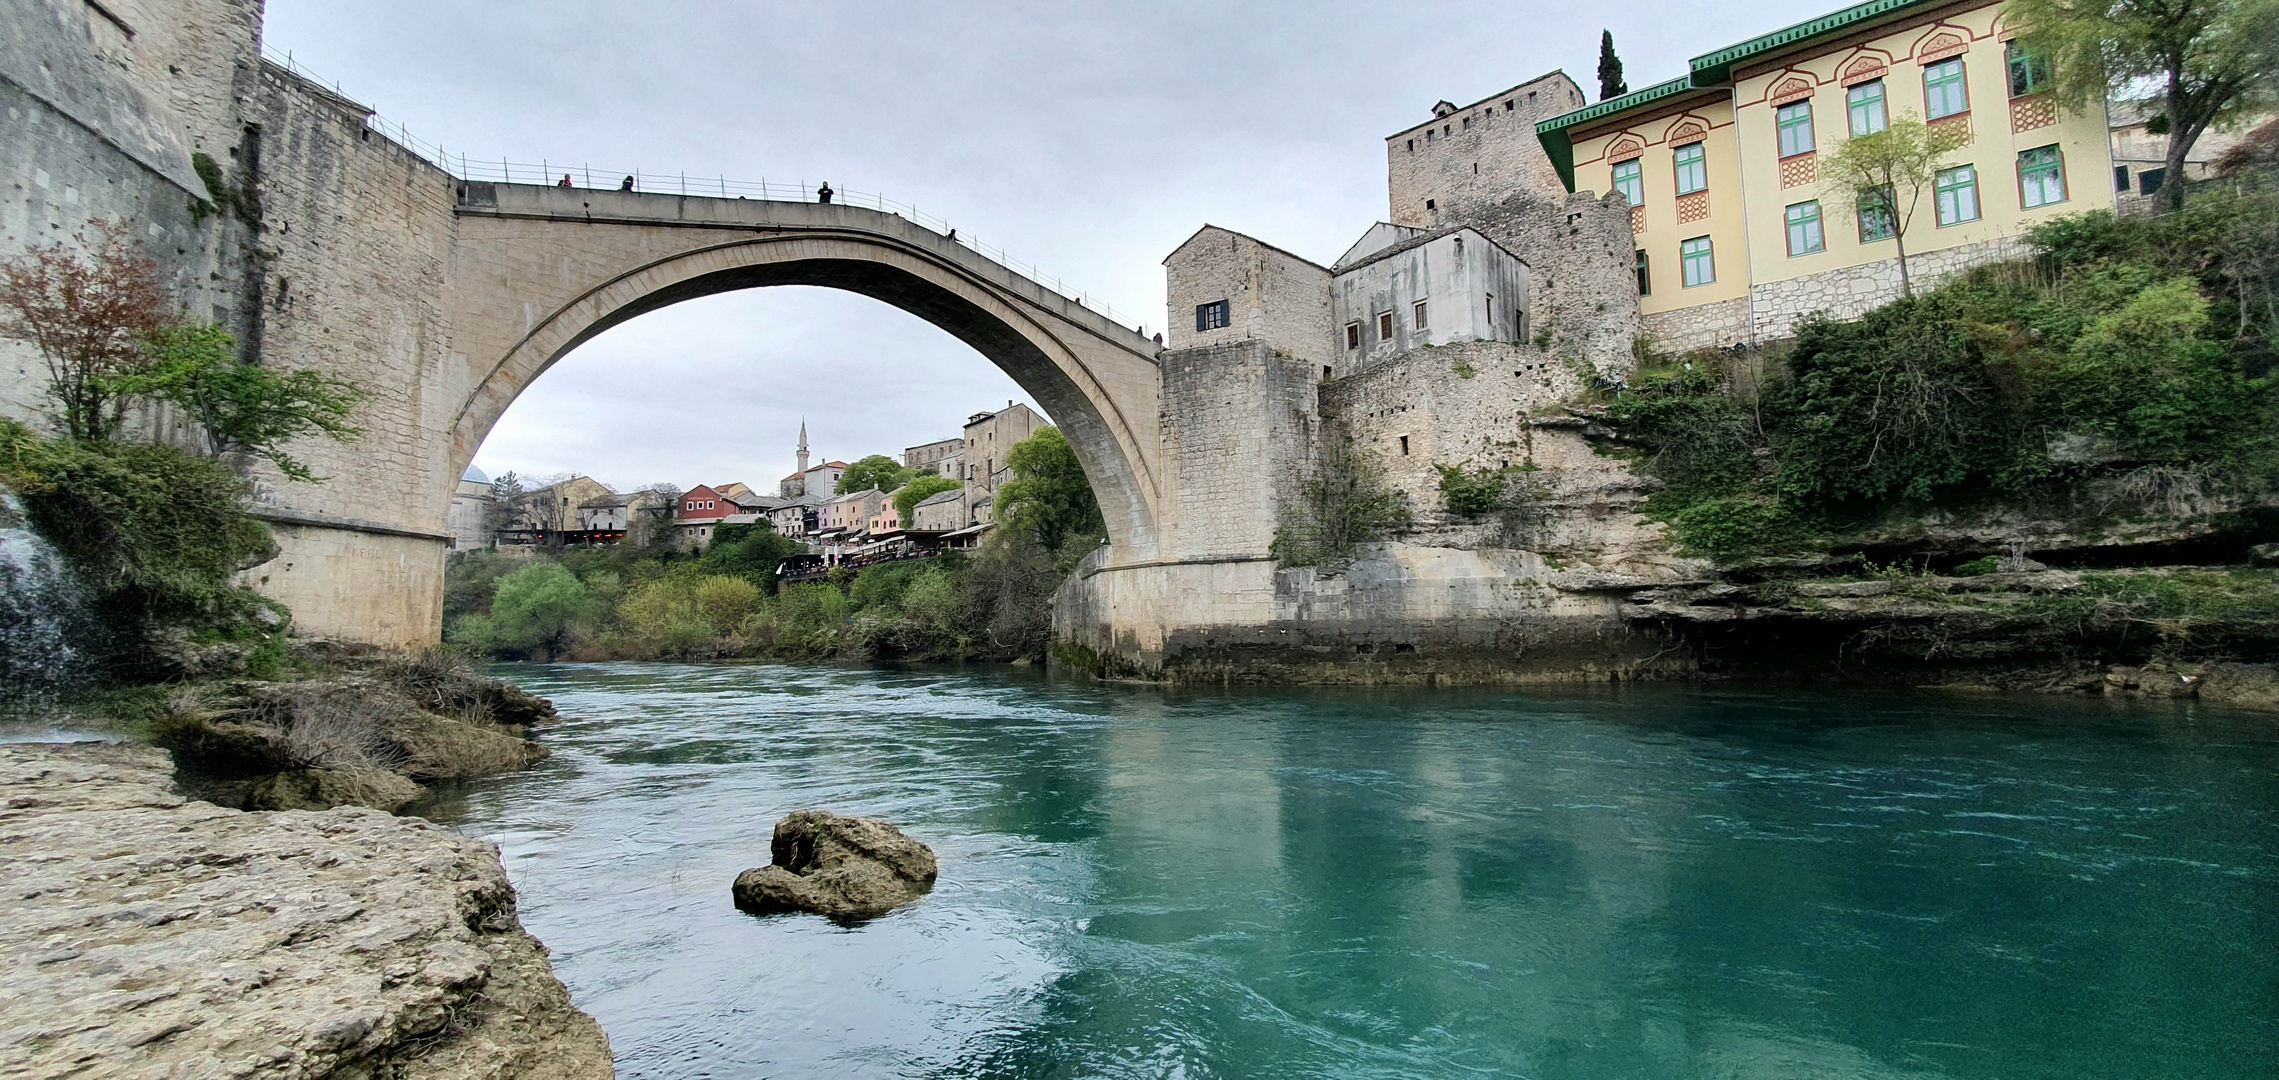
626	184
823	194
565	181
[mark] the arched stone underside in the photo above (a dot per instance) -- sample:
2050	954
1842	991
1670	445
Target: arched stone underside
538	271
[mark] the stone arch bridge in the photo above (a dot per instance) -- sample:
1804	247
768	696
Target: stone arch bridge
536	271
526	273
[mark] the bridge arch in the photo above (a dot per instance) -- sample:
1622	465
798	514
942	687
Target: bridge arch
536	271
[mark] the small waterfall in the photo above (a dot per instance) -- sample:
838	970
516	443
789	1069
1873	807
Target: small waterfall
44	615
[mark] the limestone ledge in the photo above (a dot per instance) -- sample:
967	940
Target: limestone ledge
143	934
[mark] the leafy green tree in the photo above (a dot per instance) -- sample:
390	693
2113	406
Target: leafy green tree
157	535
2214	61
666	616
751	552
1885	176
1610	84
876	471
243	408
1049	497
725	601
88	315
918	491
1007	594
535	607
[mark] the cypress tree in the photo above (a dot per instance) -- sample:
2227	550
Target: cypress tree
1610	84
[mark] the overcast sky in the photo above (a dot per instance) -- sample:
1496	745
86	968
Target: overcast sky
1086	138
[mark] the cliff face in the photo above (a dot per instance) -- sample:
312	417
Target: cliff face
145	934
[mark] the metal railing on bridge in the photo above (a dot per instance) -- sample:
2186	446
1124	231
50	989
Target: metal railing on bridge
584	175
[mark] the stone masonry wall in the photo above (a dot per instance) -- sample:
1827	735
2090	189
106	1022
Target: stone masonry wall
1703	326
1466	404
1509	412
1272	295
1239	425
1466	167
355	231
100	125
1580	258
1776	307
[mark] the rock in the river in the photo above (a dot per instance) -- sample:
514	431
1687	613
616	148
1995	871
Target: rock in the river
143	934
842	867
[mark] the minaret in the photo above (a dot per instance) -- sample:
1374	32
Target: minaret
803	446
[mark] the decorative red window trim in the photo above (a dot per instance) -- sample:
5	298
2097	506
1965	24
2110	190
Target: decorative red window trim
1865	69
1791	91
1943	46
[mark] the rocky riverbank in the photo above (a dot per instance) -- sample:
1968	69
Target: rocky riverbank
361	732
146	934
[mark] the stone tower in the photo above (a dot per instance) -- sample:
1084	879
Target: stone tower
803	446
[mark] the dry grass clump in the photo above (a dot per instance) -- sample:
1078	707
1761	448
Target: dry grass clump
368	736
445	681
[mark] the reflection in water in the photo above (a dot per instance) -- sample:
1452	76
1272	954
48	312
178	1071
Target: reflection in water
1622	884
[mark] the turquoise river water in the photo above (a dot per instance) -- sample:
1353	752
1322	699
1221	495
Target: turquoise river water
1614	883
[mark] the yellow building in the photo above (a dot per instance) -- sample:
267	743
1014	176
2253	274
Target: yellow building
1738	239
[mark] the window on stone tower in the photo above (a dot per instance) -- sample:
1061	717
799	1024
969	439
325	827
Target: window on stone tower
1417	310
1491	312
1385	326
1353	335
1211	316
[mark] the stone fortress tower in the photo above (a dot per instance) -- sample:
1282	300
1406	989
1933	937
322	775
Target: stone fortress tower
1454	333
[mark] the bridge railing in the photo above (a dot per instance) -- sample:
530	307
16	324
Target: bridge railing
584	175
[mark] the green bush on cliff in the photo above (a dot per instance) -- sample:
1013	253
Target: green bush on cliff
2107	359
156	534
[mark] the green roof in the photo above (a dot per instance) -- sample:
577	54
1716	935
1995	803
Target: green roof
1612	105
1717	67
1709	72
1552	133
